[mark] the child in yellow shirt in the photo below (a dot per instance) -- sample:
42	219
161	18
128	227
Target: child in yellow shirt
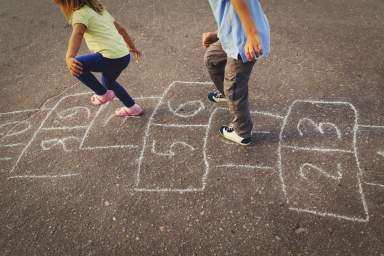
111	46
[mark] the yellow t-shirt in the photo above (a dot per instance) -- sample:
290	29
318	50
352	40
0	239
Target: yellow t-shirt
101	34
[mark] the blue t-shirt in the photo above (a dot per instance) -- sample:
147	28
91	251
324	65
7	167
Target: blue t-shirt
230	30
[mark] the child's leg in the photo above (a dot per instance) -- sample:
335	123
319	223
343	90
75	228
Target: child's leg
215	59
236	80
109	76
91	63
110	82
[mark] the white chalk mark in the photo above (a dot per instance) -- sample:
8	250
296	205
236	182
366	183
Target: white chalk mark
326	214
51	143
182	106
375	184
308	167
147	129
108	119
371	126
91	124
325	150
260	132
64	128
171	152
39	128
19	111
12	131
45	176
245	166
181	125
320	127
12	145
5	158
267	114
111	147
169	190
74	111
359	171
381	153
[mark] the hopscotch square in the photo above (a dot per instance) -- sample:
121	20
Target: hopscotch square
323	183
262	154
322	125
109	130
17	136
185	103
72	111
370	145
50	152
181	150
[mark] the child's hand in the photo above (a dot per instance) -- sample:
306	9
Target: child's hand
74	66
253	48
138	54
209	38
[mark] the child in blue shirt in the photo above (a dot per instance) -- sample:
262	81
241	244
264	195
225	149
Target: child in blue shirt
243	36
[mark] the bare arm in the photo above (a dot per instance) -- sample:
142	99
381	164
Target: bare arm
123	32
74	44
253	46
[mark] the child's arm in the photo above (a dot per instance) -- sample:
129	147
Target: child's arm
253	46
123	32
74	66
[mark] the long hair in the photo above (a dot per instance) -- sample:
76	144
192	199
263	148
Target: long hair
69	6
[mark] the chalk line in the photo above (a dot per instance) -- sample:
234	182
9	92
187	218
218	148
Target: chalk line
45	176
181	106
12	145
5	158
354	145
319	126
64	128
371	126
39	128
296	148
268	114
111	147
180	125
150	121
320	170
19	111
101	108
326	214
245	166
374	184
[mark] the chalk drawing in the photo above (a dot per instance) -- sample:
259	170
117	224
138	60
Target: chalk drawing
245	166
51	143
184	105
171	152
307	167
75	111
318	126
146	136
45	176
354	152
197	106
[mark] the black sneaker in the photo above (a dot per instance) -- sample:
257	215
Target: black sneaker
230	134
216	96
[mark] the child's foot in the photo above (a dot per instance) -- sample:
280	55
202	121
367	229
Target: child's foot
230	134
216	96
100	100
135	110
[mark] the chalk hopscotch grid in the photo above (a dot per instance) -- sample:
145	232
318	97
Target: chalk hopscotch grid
207	126
354	152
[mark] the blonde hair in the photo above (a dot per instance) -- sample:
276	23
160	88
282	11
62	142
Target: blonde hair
69	6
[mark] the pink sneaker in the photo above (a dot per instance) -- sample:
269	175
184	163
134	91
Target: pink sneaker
135	110
100	100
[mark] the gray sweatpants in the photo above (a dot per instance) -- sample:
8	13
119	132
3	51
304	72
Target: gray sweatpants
231	77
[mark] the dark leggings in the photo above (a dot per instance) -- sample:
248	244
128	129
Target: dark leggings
110	70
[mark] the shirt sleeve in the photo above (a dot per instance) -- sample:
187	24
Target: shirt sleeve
79	16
